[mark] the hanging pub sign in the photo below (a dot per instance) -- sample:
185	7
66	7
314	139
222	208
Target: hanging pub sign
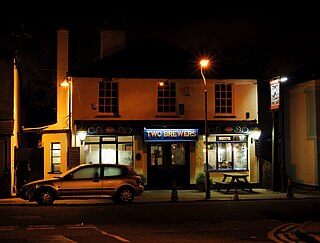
275	94
170	135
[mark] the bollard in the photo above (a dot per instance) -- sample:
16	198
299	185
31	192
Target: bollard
174	192
235	195
289	189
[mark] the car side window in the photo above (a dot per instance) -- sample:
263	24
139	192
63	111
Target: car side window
87	173
112	171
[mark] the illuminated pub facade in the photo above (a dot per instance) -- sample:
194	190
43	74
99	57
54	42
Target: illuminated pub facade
150	115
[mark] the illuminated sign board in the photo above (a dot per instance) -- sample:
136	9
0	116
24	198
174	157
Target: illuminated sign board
170	135
275	94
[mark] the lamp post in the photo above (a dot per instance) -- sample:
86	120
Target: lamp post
278	171
203	64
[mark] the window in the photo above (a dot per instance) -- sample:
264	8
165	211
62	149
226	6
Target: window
108	97
55	157
87	173
166	99
112	171
223	99
109	150
228	152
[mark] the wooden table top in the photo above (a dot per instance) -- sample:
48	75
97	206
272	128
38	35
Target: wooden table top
235	174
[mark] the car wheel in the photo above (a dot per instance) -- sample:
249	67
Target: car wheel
45	197
124	195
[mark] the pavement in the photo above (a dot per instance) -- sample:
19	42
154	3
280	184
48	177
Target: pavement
308	231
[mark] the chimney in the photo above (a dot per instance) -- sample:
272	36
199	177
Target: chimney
62	69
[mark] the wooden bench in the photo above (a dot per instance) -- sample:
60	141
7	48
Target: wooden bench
221	184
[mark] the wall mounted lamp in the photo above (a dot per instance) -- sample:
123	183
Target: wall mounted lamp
256	132
82	135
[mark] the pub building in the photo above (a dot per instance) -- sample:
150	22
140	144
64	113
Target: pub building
151	115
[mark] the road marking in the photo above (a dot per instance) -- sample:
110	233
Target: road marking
52	238
114	236
3	228
285	233
81	226
40	227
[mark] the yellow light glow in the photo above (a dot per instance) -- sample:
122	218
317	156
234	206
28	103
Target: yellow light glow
65	83
204	62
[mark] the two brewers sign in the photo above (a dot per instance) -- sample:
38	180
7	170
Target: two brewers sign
170	135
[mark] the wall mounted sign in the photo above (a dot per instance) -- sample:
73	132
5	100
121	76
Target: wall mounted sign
275	94
170	135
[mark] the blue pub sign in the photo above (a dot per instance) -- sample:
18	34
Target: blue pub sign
170	135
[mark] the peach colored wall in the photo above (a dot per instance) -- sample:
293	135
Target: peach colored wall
301	159
137	99
47	139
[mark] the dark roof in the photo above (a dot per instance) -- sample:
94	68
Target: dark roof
305	73
152	59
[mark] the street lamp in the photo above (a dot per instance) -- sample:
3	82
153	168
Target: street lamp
203	64
68	83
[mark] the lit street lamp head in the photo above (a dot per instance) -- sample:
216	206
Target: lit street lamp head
204	63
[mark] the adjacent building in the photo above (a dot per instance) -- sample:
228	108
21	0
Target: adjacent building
301	112
10	122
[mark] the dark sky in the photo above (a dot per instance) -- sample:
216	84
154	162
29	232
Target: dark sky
288	31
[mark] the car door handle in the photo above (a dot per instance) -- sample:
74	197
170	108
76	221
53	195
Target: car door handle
95	180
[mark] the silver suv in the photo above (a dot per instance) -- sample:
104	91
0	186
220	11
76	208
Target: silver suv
117	182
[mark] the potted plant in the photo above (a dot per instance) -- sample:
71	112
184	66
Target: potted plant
143	178
201	182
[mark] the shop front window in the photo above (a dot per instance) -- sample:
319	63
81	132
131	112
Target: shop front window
109	150
227	152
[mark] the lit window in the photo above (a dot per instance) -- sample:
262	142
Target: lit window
55	157
109	150
167	97
228	153
108	97
223	99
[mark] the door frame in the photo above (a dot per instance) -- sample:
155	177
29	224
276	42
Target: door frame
162	176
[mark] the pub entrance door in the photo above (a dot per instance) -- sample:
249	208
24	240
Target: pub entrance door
168	162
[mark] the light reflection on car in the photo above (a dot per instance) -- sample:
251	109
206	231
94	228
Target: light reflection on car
120	183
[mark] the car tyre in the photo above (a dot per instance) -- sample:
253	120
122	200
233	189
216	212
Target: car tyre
124	195
45	197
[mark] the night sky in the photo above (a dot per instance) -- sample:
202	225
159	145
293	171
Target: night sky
289	34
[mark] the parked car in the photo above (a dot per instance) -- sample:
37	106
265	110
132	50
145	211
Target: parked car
120	183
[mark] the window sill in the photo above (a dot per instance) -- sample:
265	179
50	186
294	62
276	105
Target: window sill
106	116
224	116
167	116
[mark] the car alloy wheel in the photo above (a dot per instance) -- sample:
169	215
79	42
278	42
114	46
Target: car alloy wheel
45	198
126	195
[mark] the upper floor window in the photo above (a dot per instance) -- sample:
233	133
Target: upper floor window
166	97
108	96
223	99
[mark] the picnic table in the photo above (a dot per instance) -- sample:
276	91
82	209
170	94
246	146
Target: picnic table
234	180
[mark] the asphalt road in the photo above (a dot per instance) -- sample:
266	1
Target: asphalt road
222	221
